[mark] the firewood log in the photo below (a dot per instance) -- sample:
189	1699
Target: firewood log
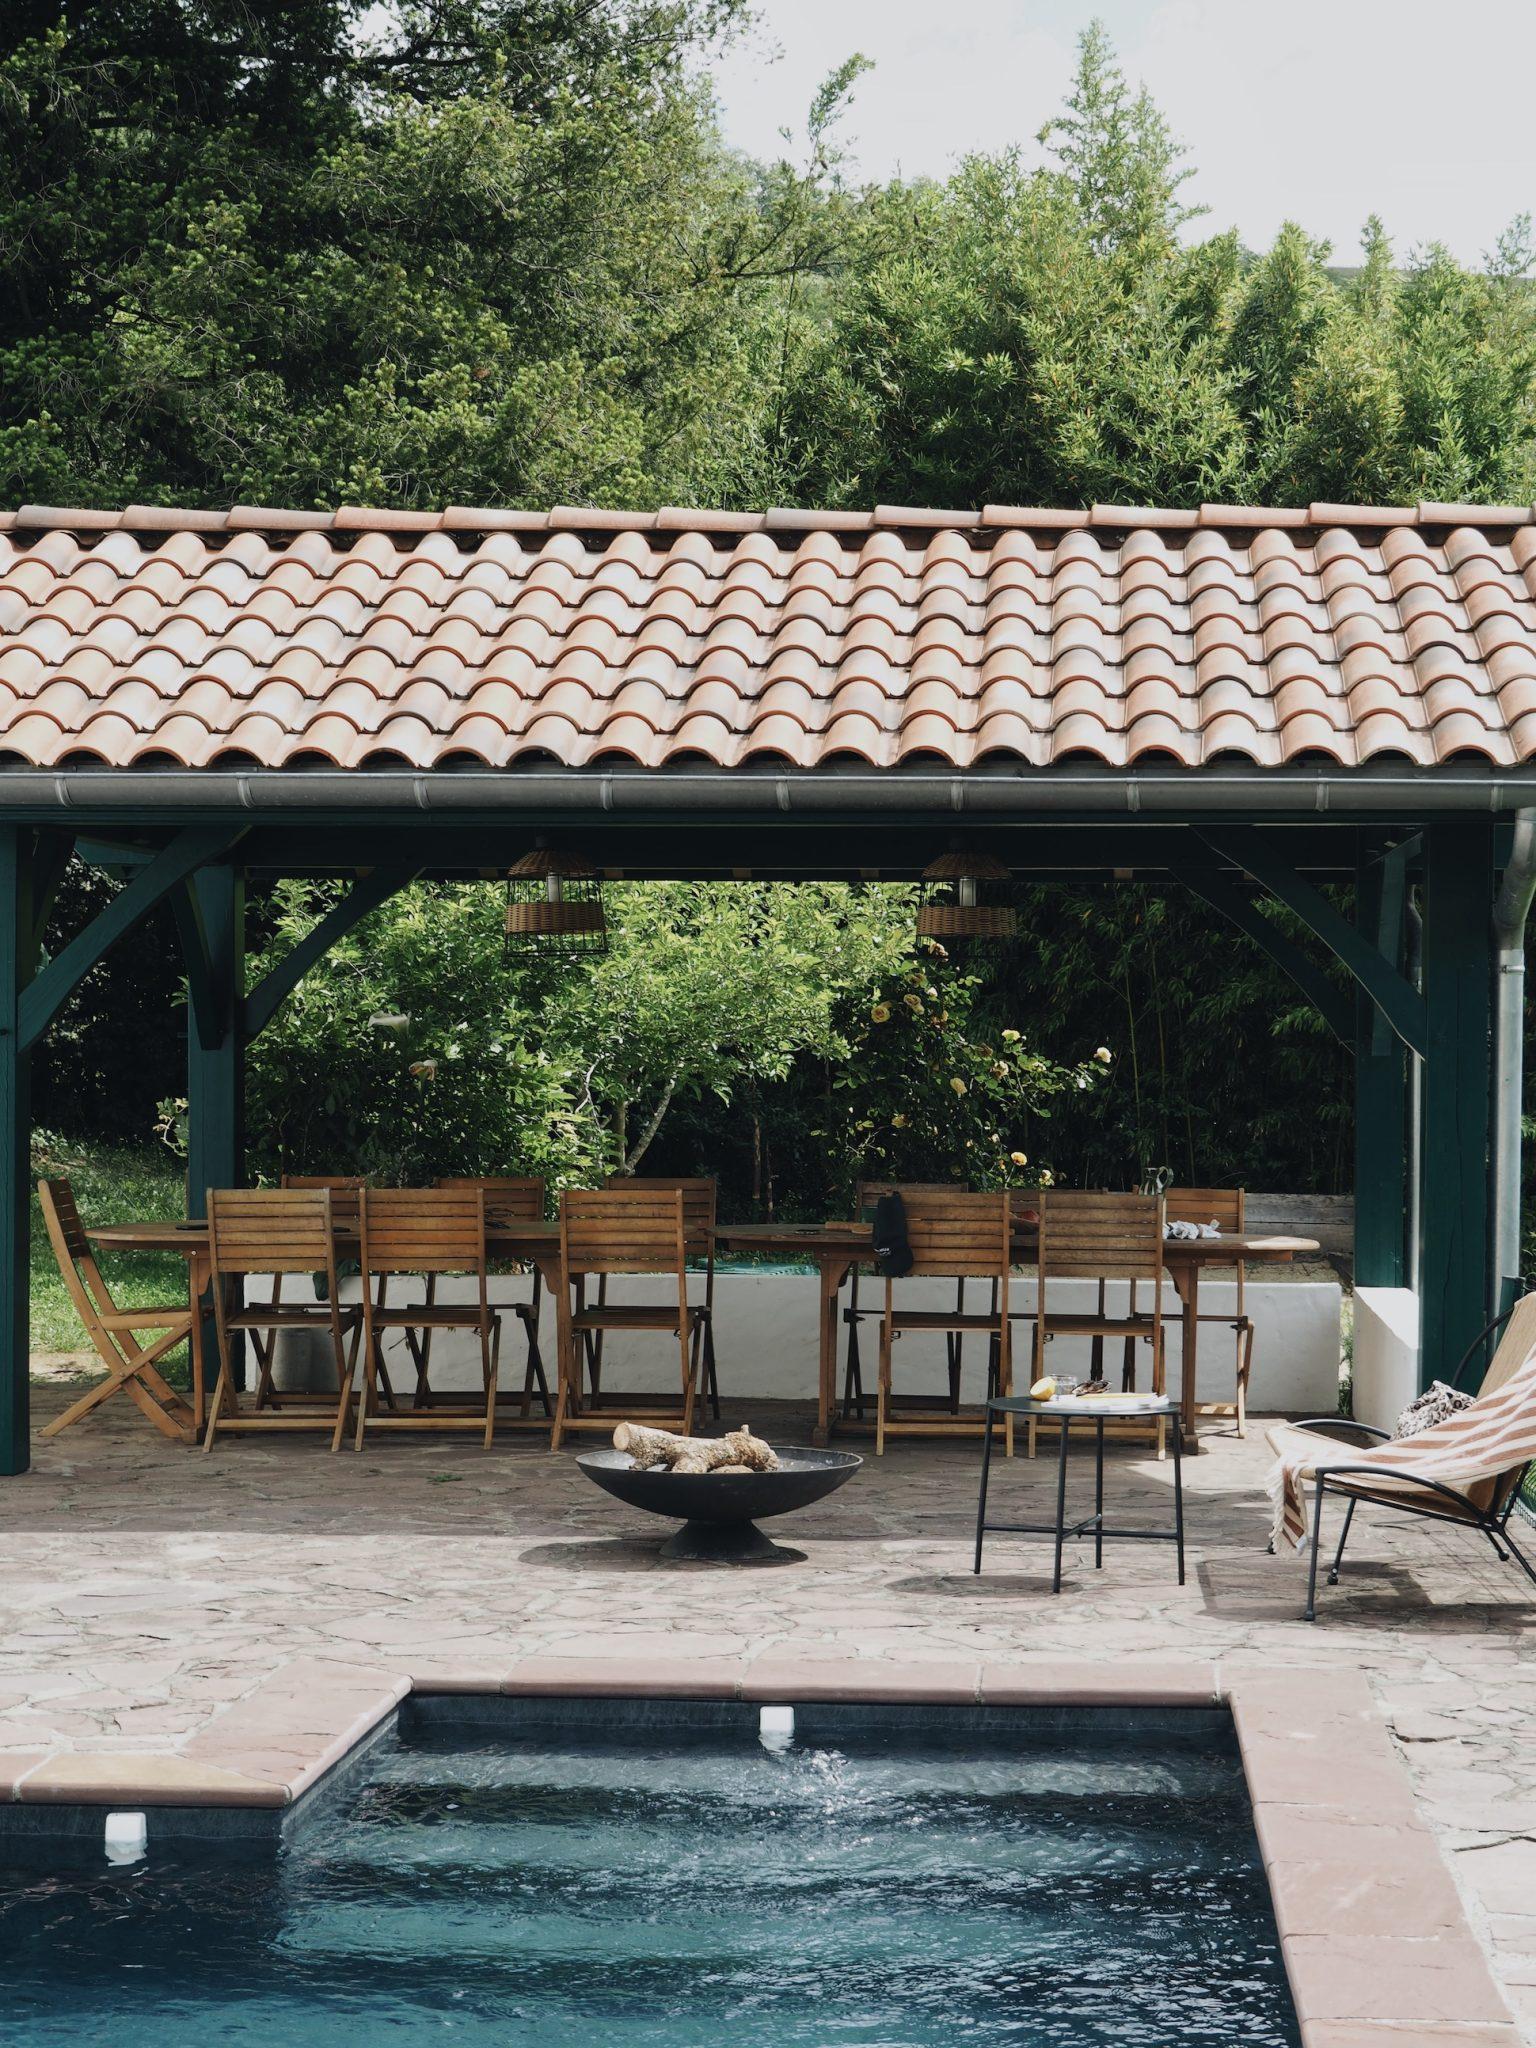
651	1447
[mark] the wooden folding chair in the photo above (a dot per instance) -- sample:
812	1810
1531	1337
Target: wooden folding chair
960	1236
866	1194
1227	1209
699	1194
624	1230
1090	1235
515	1198
276	1231
426	1232
132	1367
344	1188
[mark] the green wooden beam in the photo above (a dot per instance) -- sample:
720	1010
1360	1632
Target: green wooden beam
1332	1003
1381	1089
275	987
18	954
50	860
47	995
1455	1211
1397	999
206	1000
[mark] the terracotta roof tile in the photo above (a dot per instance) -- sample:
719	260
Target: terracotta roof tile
370	635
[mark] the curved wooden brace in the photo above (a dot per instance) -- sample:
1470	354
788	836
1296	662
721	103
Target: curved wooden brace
275	987
52	987
1394	996
1331	1002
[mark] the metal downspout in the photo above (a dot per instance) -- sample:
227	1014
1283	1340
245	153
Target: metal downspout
1511	908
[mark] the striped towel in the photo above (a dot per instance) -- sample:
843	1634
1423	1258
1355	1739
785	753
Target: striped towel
1492	1437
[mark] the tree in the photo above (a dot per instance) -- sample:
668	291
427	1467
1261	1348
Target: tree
1118	155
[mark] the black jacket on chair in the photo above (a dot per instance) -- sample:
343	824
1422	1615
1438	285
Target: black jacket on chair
893	1254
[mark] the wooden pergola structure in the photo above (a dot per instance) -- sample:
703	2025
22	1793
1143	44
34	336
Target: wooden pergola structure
1251	704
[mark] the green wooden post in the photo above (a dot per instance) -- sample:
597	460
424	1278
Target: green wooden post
214	939
1455	1211
1381	1094
18	956
215	1041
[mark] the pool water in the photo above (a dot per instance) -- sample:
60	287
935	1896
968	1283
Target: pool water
579	1874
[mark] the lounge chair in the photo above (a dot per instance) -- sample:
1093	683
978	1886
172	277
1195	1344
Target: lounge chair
1484	1505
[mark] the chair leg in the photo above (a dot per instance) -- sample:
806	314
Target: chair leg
490	1350
533	1373
853	1376
1519	1555
882	1393
711	1376
1338	1555
1244	1369
981	1498
688	1351
1317	1544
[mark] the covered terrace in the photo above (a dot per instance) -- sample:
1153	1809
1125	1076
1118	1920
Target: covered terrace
1259	706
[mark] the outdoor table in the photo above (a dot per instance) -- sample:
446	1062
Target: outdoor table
527	1240
833	1248
1068	1411
836	1248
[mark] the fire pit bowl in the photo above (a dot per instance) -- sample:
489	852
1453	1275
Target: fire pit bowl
719	1510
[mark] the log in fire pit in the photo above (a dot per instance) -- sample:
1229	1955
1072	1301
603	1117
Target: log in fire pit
718	1489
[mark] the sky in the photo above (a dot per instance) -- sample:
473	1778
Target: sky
1322	111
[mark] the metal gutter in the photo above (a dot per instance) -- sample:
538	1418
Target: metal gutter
447	792
1510	911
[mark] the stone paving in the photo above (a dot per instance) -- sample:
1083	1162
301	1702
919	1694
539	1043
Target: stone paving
147	1590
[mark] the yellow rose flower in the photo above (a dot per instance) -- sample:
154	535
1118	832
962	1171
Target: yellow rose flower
881	1013
914	1003
899	1121
1012	1037
1103	1055
1019	1158
958	1085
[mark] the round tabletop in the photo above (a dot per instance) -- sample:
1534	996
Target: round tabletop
1097	1407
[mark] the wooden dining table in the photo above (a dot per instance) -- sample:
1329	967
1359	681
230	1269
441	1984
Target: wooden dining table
834	1249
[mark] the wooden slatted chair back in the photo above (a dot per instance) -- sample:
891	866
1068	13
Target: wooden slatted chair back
957	1234
1227	1208
623	1230
868	1192
1086	1235
271	1230
698	1193
72	1249
516	1197
344	1187
423	1230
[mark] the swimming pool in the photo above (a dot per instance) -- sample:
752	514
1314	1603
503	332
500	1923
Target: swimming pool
567	1872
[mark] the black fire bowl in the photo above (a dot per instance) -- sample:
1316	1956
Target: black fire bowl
719	1510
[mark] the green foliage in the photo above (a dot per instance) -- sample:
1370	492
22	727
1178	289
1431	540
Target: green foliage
923	1096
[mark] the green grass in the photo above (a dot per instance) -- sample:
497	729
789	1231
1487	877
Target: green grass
110	1187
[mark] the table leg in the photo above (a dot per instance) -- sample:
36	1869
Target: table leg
832	1276
1061	1504
198	1278
1178	1490
1098	1497
986	1472
1188	1354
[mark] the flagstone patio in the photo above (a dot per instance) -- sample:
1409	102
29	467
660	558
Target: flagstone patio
148	1590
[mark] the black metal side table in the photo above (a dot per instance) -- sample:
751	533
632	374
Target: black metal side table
1091	1414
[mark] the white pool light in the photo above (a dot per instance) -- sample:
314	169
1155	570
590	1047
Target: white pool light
776	1727
127	1837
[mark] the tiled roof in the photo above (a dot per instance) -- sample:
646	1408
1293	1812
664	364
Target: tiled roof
1341	634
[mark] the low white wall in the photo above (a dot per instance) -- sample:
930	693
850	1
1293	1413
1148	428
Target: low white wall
1386	1353
765	1339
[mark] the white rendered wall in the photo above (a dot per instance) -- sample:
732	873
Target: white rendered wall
765	1339
1386	1364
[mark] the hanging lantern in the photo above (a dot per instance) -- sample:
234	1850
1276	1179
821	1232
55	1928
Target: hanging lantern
961	899
555	902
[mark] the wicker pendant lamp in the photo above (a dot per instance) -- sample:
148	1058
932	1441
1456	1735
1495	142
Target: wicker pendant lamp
960	899
555	903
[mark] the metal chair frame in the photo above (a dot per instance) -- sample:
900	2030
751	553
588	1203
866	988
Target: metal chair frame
1492	1521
